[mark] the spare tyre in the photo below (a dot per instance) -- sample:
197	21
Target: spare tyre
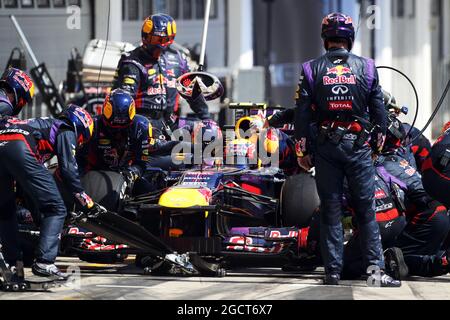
106	188
299	200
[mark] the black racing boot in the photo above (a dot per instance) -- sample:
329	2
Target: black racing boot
331	280
395	263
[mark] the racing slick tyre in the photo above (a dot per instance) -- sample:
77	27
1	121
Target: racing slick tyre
299	200
106	188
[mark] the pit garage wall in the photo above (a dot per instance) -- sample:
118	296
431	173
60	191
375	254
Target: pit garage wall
295	39
51	40
47	32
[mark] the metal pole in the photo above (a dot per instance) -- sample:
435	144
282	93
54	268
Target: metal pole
24	40
204	36
268	60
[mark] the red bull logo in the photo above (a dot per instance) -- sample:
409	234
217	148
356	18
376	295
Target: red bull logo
342	75
380	194
339	71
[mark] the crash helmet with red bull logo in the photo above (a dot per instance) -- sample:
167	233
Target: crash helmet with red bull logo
158	31
206	132
119	110
338	26
81	121
21	85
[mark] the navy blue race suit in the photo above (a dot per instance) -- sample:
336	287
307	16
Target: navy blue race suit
390	219
134	149
24	147
6	108
116	150
436	170
341	86
427	220
391	222
152	83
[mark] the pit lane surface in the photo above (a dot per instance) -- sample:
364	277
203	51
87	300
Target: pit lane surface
124	282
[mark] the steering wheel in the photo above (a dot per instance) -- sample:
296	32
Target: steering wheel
210	86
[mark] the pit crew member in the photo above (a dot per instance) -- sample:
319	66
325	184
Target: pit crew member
24	147
346	95
149	74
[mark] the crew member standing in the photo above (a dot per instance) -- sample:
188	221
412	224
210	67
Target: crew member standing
149	73
340	92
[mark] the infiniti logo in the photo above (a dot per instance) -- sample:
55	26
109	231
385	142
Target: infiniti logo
339	90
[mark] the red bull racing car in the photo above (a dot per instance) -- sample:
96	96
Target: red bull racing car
244	213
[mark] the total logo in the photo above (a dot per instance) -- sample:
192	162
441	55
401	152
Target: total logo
341	75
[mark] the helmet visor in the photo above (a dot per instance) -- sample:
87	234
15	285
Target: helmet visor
162	41
21	103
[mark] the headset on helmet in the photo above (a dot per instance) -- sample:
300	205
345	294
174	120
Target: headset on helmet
21	85
159	30
173	25
81	121
119	109
338	25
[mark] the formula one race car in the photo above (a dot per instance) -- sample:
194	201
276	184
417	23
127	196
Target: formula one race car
230	210
241	213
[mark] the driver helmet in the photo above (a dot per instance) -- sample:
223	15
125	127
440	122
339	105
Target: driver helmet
206	132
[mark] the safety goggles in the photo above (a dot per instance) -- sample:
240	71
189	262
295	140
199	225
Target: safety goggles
163	41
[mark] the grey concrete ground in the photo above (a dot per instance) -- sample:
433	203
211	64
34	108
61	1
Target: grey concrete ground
123	282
